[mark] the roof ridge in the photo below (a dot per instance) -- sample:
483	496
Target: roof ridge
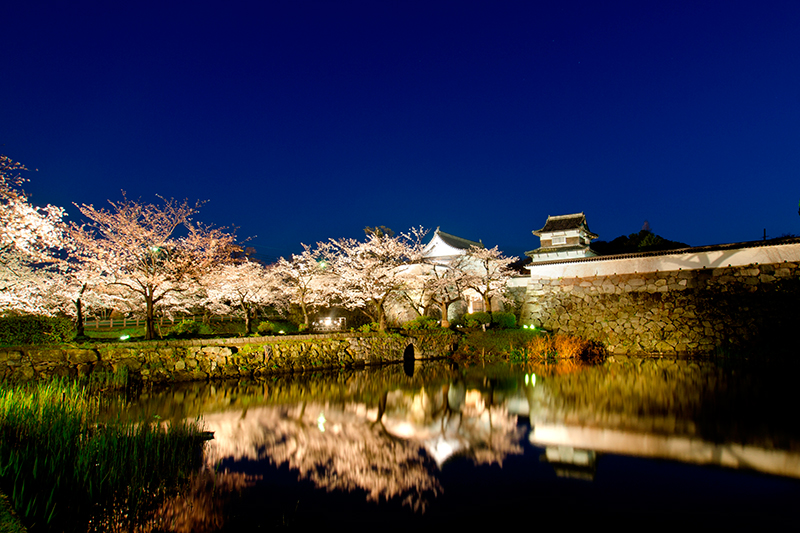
458	240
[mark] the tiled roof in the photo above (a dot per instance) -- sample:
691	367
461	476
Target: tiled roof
692	249
457	242
553	249
563	222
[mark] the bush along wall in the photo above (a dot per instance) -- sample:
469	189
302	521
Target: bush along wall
30	329
166	361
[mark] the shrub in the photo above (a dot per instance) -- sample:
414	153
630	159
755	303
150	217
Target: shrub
276	328
475	320
227	327
187	328
496	343
422	322
368	328
504	320
32	329
528	345
285	327
559	347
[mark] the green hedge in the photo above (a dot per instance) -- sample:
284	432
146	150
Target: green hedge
504	320
276	327
422	322
189	329
16	330
474	320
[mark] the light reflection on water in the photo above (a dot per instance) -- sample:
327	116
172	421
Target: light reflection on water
677	439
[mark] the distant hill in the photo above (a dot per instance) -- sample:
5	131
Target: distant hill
644	241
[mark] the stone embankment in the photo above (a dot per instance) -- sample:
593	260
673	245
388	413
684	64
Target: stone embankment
169	361
698	311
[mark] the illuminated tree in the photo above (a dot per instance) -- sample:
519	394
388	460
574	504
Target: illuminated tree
305	280
31	239
75	288
447	283
23	288
369	274
245	285
490	273
35	232
153	251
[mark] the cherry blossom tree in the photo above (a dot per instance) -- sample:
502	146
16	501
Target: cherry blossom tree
371	273
490	273
447	282
31	240
306	278
245	286
75	288
23	288
153	251
35	232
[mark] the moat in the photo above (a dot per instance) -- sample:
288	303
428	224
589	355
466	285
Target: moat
443	444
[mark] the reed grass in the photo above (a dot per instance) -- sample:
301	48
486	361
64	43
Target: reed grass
556	347
527	345
63	471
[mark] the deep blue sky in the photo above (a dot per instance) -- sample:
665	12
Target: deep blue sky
302	120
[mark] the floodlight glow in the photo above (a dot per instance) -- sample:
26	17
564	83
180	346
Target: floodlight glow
321	422
282	332
124	337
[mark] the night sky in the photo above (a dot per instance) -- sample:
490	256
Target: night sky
301	121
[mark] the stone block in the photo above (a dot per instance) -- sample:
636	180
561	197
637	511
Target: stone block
10	356
76	356
46	355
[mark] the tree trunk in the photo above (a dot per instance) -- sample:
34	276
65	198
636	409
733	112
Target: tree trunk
380	314
248	327
443	310
149	322
79	333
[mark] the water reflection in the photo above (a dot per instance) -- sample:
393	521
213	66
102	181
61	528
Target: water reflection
399	435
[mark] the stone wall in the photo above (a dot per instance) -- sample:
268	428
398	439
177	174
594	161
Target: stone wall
693	311
167	361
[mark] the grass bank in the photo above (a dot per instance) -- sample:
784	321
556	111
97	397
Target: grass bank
522	345
64	471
